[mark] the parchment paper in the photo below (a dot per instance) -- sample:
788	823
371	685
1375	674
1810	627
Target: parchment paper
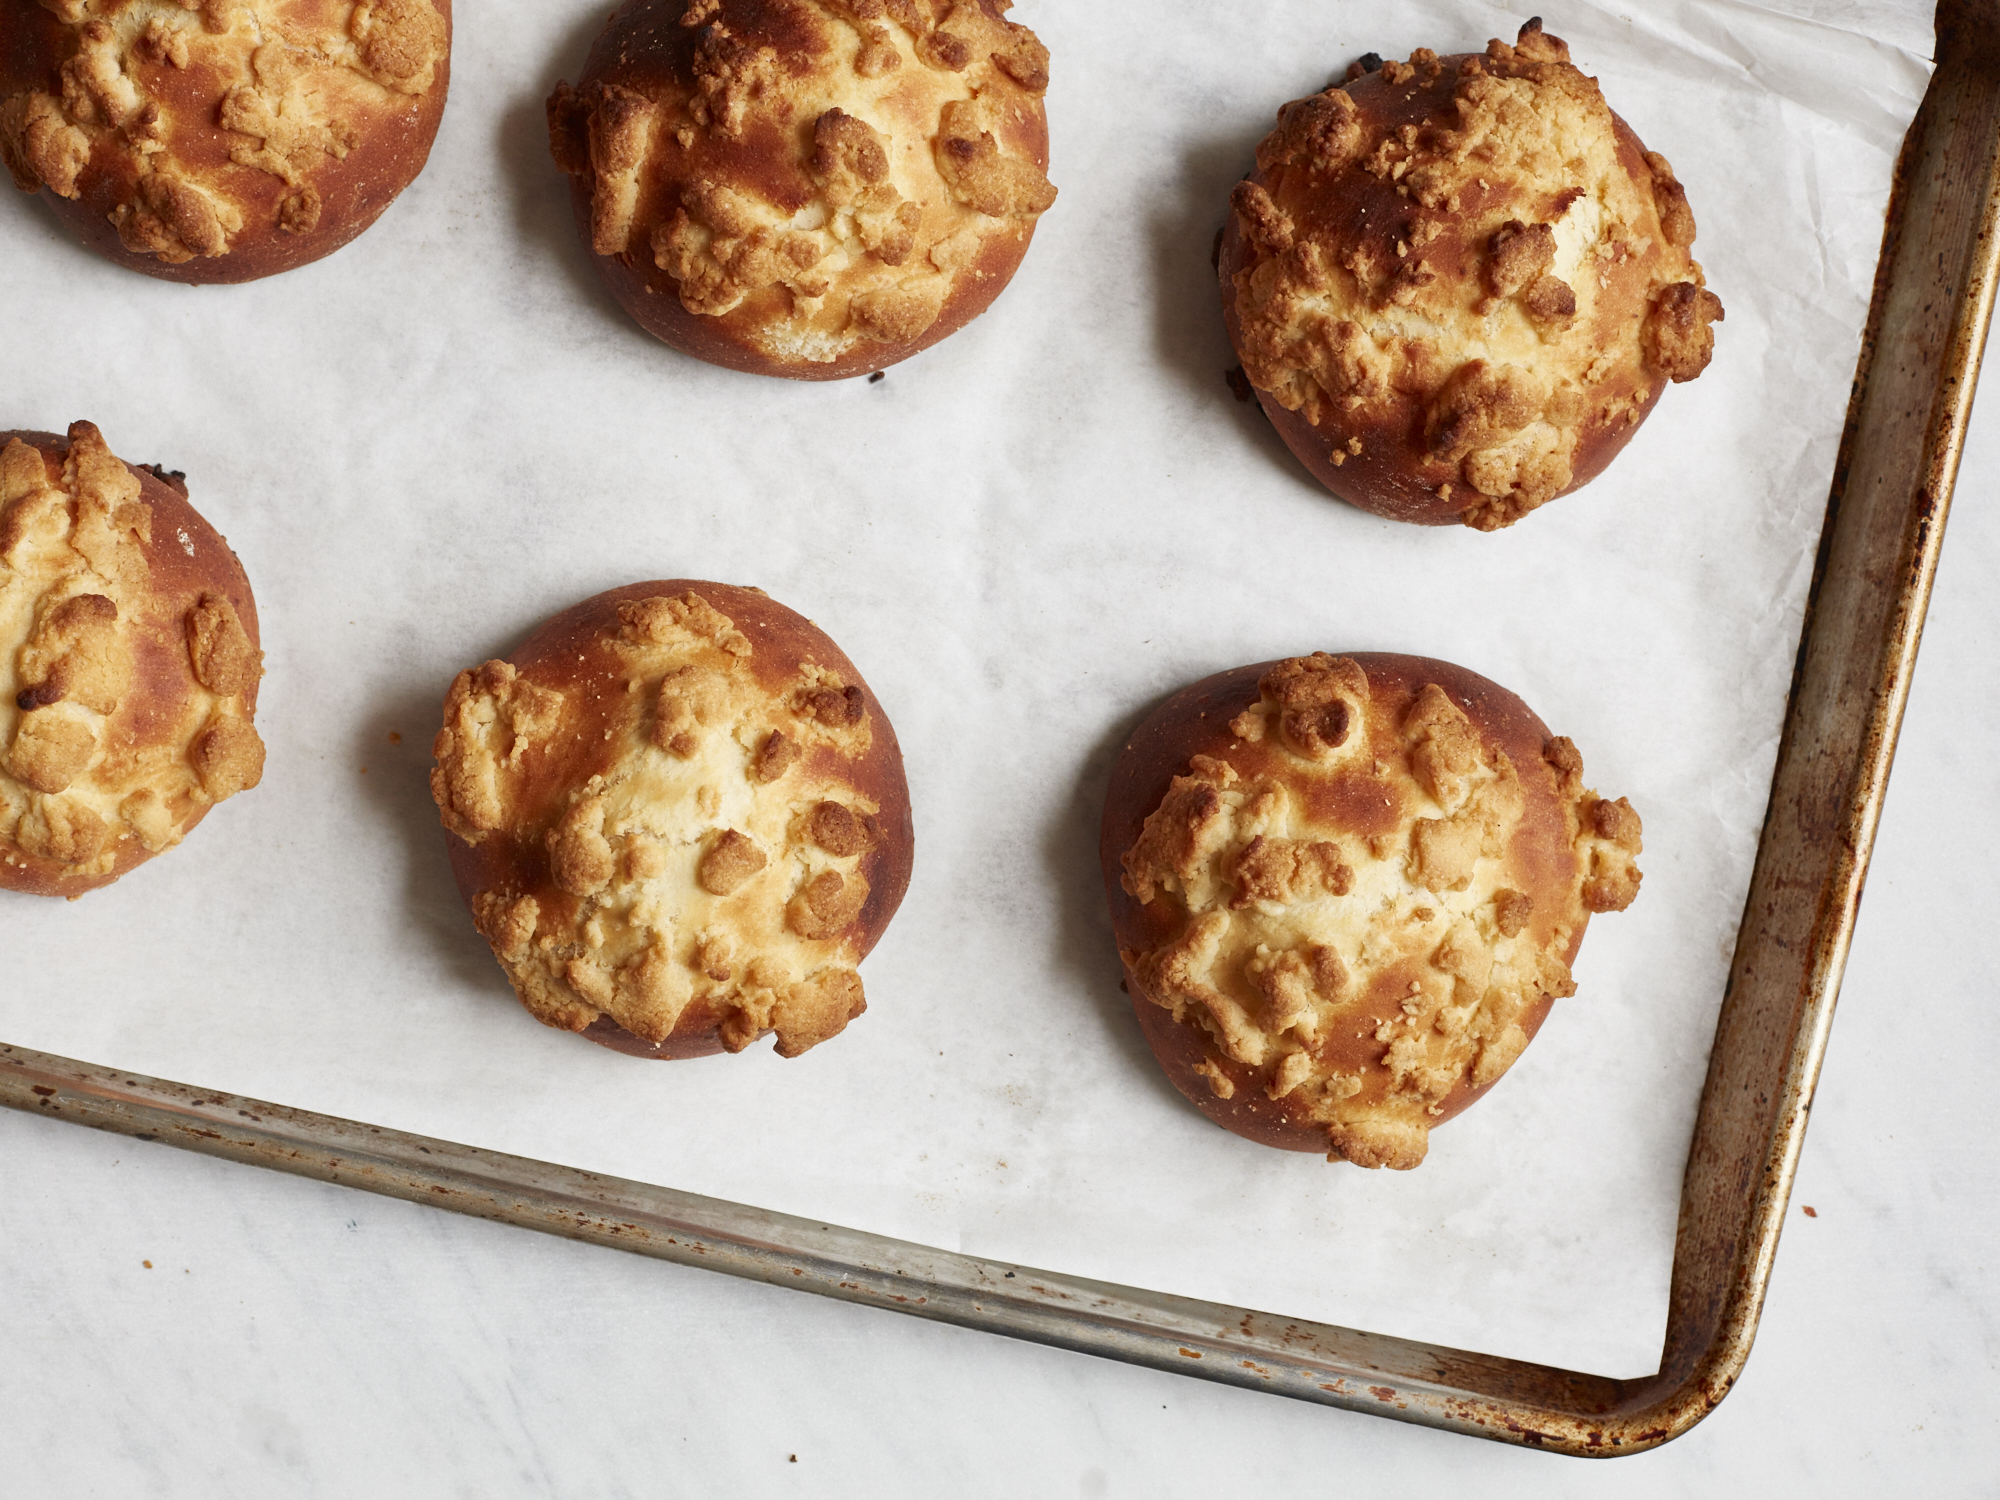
1024	538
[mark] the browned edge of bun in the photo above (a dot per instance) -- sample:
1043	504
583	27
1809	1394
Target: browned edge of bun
1382	477
649	295
1376	480
566	651
1195	721
355	189
187	558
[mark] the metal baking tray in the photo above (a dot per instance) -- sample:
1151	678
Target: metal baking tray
1878	551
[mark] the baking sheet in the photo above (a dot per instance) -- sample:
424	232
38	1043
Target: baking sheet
1024	538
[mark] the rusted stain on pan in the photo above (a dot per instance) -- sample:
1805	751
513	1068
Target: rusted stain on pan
1933	300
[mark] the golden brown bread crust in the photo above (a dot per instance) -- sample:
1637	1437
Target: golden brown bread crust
1459	284
220	140
1347	890
129	664
679	816
807	188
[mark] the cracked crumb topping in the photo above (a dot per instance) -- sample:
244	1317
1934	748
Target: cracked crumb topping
214	123
833	173
128	675
1358	908
675	830
1468	268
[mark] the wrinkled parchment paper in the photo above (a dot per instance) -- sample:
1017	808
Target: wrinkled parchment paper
1025	538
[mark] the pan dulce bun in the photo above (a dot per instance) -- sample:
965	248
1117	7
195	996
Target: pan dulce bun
1346	891
808	188
1458	284
679	816
129	664
220	140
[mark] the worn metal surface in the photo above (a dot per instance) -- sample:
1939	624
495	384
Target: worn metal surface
1933	300
1934	295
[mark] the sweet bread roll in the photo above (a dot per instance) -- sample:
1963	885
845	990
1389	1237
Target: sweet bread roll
1458	284
1346	891
129	664
810	188
678	815
220	140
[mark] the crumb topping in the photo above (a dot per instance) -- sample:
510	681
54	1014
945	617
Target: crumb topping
83	768
896	174
713	861
1351	934
1501	266
284	82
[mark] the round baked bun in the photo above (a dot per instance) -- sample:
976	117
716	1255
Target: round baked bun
678	815
220	140
810	188
129	664
1346	890
1458	284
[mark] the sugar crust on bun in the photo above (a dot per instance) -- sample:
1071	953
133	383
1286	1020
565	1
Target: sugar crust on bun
1346	891
129	664
678	815
807	188
1458	284
220	140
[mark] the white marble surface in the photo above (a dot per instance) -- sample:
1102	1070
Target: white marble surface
297	1339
